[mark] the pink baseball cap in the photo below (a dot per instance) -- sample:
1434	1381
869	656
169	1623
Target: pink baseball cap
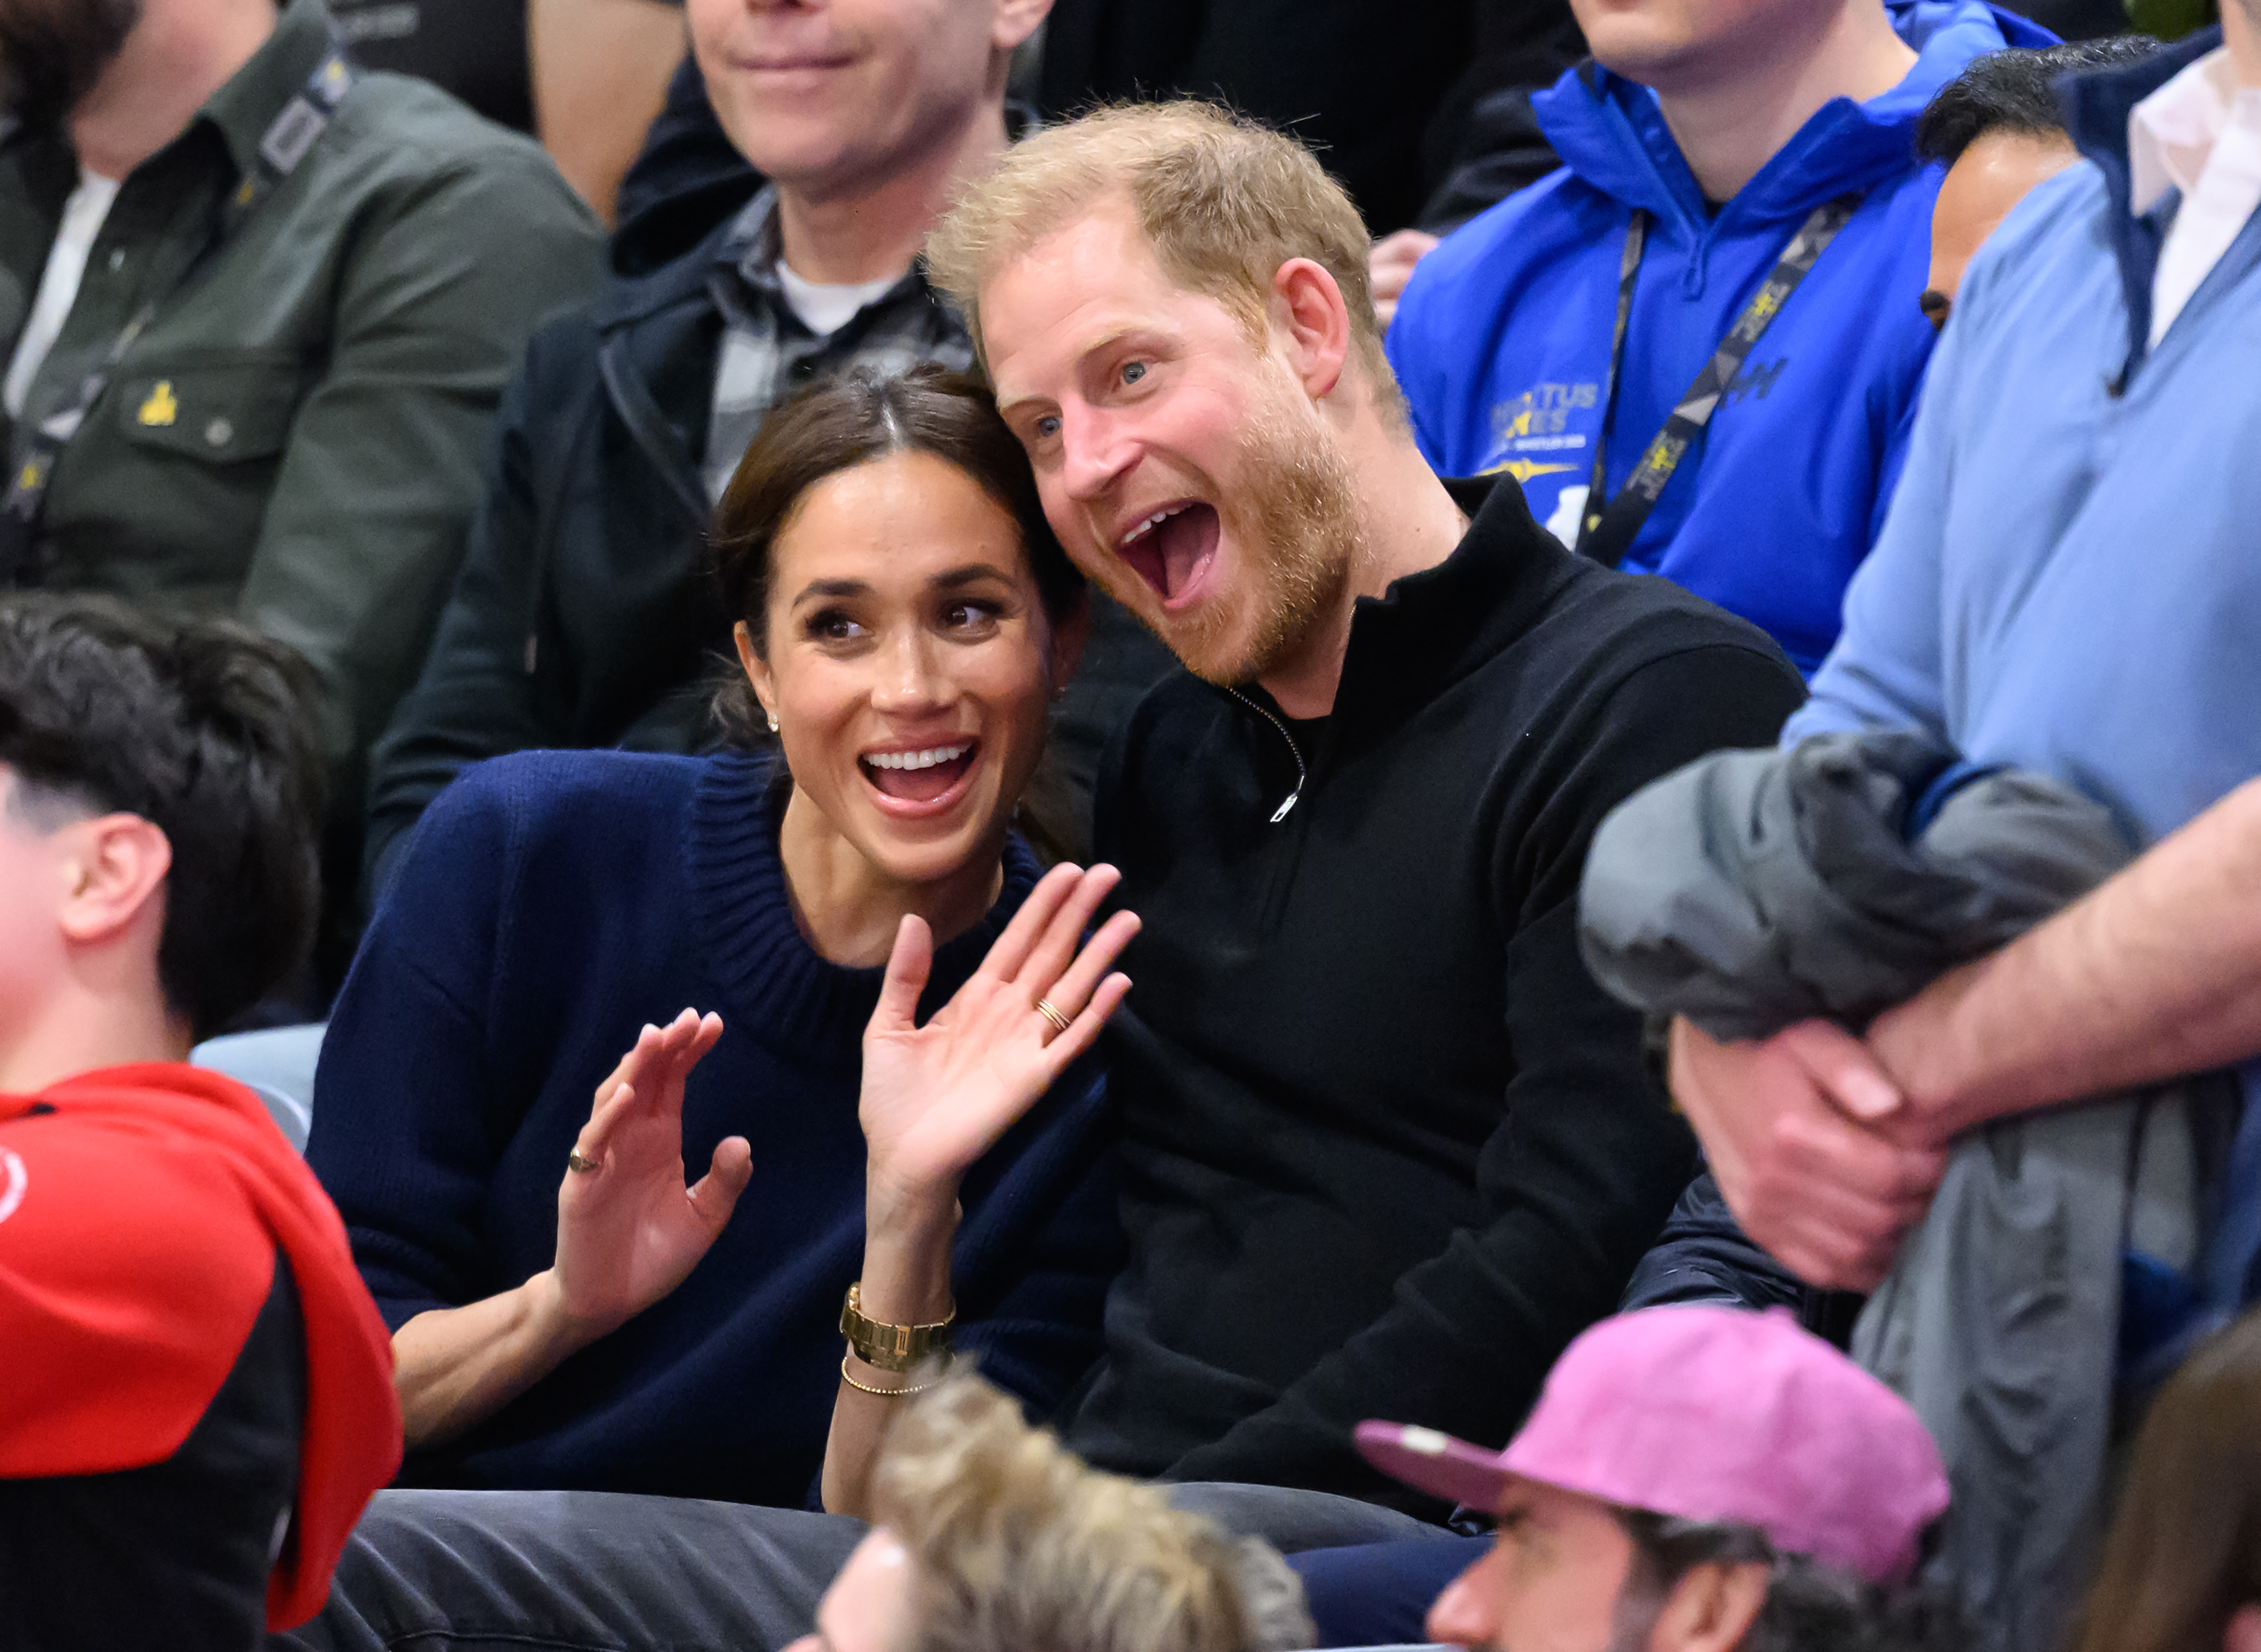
1709	1413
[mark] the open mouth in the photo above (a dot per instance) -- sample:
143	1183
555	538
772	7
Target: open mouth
1171	548
927	775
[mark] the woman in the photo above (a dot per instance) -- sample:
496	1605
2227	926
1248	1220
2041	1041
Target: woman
2181	1568
906	617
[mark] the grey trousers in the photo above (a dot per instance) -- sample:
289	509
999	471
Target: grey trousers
600	1571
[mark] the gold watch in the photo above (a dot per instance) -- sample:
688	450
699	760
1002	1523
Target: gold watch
887	1347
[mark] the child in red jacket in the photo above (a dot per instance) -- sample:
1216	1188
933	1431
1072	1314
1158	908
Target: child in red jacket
195	1395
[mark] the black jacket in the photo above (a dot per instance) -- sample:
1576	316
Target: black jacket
1388	1145
585	614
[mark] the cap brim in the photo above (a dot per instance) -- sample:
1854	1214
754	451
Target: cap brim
1436	1463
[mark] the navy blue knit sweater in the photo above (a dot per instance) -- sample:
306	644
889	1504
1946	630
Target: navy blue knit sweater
550	904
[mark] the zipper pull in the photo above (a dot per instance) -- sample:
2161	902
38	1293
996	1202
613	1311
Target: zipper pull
1281	813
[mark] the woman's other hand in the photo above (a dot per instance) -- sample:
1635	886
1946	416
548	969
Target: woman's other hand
937	1097
629	1230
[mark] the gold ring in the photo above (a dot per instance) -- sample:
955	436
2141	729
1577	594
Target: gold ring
1050	1012
578	1165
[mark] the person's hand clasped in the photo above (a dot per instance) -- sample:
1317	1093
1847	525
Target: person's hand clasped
1799	1130
1390	266
628	1230
937	1097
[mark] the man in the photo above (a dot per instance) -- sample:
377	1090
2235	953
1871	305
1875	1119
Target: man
1998	130
1692	1480
1371	1099
2121	296
1716	281
258	309
585	613
1386	1143
198	1399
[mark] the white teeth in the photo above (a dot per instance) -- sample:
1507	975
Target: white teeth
925	759
1150	524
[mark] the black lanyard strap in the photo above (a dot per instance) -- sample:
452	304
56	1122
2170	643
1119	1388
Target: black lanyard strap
282	146
1607	531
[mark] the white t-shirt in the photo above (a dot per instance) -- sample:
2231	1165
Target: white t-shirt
824	310
82	216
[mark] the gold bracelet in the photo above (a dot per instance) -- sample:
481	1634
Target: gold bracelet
884	1393
890	1347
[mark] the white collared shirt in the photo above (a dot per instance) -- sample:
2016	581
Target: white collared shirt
2200	133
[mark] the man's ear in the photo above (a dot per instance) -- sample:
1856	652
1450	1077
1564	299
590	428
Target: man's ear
1712	1608
113	866
1307	306
1016	21
757	668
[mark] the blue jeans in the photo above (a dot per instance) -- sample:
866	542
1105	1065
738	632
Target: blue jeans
1379	1594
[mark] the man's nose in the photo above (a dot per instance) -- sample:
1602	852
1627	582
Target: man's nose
1465	1614
1094	451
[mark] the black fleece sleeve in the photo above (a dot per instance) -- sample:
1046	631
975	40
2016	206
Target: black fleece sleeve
475	696
1589	1158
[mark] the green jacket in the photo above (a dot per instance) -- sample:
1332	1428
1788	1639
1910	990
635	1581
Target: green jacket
299	435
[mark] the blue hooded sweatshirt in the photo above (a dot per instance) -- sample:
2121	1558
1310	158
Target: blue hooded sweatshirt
1503	340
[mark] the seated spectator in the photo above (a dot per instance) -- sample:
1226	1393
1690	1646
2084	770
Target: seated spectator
566	1314
1385	1142
1719	276
1997	130
2182	1565
196	1404
586	614
1365	809
1692	1480
990	1535
276	300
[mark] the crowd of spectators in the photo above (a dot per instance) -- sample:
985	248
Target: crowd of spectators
624	623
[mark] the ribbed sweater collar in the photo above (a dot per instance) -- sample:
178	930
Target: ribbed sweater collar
774	984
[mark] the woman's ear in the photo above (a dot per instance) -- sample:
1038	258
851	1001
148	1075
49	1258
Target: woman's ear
757	670
1712	1608
1070	633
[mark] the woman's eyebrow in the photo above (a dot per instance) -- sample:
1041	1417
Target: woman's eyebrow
972	573
832	588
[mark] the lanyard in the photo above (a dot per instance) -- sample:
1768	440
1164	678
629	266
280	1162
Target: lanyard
284	143
1608	531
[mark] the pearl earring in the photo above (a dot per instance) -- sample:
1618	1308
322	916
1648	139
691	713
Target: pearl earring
773	722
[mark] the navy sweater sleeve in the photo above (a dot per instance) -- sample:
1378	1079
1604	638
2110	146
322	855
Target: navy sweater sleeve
1582	1172
1037	1329
406	1138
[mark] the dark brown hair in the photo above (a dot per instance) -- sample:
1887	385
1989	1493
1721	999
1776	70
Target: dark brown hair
205	730
851	420
2185	1550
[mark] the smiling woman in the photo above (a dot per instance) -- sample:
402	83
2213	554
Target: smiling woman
567	1312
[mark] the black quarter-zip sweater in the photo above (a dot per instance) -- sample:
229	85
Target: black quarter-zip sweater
1389	1146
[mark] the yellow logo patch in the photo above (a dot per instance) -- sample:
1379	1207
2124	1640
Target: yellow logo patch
1523	469
161	408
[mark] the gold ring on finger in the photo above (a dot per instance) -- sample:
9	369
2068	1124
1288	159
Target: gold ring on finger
1050	1012
579	1163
